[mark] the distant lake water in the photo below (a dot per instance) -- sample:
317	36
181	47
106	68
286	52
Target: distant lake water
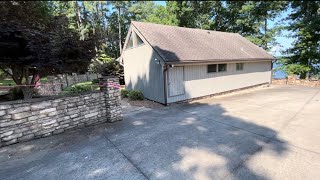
278	74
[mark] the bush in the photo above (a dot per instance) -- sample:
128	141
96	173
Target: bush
131	94
80	88
124	93
95	81
15	93
135	95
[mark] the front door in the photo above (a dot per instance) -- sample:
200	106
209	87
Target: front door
175	81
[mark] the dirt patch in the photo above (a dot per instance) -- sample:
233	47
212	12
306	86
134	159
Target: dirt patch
144	103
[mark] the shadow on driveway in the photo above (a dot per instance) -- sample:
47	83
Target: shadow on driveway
174	144
167	143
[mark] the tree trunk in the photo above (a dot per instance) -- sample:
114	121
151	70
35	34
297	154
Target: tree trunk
27	92
265	25
308	73
106	24
119	26
79	22
303	75
20	75
265	33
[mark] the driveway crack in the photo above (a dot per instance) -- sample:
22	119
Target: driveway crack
295	115
127	158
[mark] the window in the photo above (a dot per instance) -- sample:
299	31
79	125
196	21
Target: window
239	66
222	67
212	68
139	40
216	68
134	41
130	42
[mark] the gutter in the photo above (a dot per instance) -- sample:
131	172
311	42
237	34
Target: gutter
219	61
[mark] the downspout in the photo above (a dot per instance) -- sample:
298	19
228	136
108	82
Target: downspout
165	69
271	78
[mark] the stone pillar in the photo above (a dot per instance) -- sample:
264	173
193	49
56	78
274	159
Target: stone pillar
111	87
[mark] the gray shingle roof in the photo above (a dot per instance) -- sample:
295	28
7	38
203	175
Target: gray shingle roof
179	44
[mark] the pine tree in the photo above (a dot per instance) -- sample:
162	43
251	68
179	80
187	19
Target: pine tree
305	24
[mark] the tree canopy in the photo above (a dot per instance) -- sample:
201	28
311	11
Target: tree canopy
49	37
33	42
305	25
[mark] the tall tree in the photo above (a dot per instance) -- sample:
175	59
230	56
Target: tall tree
305	25
118	27
148	11
38	43
193	14
250	19
120	6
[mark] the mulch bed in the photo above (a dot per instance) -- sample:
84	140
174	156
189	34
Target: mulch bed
144	103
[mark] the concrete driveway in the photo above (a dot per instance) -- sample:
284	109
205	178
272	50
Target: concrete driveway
270	133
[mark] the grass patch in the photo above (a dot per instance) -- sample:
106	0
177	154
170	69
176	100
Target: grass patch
7	82
10	82
44	80
80	87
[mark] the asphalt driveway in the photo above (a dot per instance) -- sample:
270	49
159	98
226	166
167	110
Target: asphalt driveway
270	133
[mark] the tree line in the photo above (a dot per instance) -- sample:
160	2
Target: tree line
49	37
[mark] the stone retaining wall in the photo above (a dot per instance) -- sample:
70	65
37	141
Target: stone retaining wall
292	80
26	120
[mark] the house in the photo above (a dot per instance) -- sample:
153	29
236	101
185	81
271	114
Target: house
170	64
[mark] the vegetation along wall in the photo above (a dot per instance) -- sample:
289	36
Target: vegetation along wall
36	118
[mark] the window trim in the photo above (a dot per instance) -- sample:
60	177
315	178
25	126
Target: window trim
128	43
217	68
242	66
135	44
212	71
137	40
225	68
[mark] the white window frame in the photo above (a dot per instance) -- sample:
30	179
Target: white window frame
225	69
215	68
239	65
134	36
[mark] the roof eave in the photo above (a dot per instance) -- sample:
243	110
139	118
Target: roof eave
219	61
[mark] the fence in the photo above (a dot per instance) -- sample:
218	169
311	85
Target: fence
25	120
55	84
68	80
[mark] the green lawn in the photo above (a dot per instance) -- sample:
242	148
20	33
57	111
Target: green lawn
7	82
43	80
10	82
80	87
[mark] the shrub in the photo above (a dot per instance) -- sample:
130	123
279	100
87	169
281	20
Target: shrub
135	95
79	88
15	93
95	81
124	93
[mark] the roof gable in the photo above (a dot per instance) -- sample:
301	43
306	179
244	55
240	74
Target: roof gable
178	44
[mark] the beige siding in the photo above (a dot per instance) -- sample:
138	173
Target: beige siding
143	73
197	82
